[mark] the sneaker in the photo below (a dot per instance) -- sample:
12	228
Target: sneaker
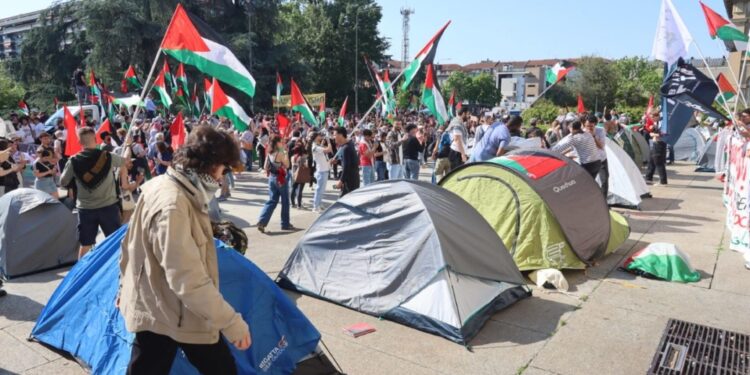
294	205
316	210
261	228
290	227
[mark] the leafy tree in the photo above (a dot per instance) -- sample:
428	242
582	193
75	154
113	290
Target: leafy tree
596	80
459	82
483	90
637	79
543	109
10	91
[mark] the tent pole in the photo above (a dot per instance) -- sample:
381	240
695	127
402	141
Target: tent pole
137	111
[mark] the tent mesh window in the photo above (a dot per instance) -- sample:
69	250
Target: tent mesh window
689	348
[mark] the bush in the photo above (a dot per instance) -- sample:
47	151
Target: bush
543	109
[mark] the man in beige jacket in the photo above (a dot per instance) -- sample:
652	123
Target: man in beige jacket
169	273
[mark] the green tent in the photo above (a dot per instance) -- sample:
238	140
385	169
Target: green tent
547	210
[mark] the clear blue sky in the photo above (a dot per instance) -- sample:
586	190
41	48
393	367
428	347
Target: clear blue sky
522	29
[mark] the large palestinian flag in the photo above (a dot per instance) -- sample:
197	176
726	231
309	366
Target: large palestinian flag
431	97
131	79
299	105
190	41
558	72
425	56
734	39
226	106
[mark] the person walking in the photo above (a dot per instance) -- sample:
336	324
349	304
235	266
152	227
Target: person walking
300	172
393	142
381	170
349	180
657	161
584	145
459	139
366	157
411	153
277	169
96	193
319	149
169	278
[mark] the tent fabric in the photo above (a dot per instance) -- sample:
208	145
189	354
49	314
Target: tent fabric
587	238
37	233
707	158
281	334
626	183
689	145
434	263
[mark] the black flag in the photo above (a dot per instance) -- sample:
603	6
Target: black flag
690	87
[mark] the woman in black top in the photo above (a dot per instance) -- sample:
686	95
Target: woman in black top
8	171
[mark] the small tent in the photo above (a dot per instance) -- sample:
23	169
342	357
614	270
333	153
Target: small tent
81	318
633	143
410	252
626	183
547	209
707	158
37	233
689	145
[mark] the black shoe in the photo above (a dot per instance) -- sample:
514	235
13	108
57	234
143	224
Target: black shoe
3	293
290	227
261	228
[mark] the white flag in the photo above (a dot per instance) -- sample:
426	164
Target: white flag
672	38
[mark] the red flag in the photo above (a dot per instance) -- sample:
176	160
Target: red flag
105	127
124	86
284	122
81	116
649	121
459	106
177	130
581	108
72	144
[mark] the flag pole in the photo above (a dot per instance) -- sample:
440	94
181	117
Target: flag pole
734	76
542	94
711	73
362	119
742	74
144	90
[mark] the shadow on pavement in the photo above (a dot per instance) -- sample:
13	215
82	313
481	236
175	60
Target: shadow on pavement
19	308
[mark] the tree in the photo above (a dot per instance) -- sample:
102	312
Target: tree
484	91
596	80
637	79
10	91
459	82
543	109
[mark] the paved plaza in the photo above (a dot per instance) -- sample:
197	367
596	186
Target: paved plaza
610	322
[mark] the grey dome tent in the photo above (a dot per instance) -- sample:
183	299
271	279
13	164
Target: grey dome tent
411	252
38	233
689	145
707	159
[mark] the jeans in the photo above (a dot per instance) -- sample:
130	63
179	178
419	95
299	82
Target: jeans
82	92
297	193
248	160
380	170
411	168
395	171
320	188
604	178
276	192
153	353
670	158
368	175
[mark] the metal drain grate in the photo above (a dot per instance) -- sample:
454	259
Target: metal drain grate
689	348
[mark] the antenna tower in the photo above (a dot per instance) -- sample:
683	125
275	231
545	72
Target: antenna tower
405	14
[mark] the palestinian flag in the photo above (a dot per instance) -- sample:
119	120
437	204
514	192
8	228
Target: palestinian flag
279	87
726	91
390	97
168	77
452	104
226	106
283	125
299	105
207	93
558	72
425	56
342	112
177	131
431	97
104	127
190	41
181	78
734	39
322	111
531	166
161	89
131	79
662	261
23	107
96	92
72	144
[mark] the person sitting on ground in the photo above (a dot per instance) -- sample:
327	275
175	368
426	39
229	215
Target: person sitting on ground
584	145
96	193
169	278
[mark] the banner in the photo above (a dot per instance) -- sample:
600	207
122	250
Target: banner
737	193
313	100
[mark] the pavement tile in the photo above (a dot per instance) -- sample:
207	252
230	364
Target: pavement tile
58	367
542	312
731	275
22	331
600	339
17	357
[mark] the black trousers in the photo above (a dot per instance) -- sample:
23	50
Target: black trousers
454	157
657	163
153	354
593	167
604	177
297	193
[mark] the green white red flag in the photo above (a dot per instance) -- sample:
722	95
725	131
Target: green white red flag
425	56
190	41
299	105
342	112
322	111
161	88
726	91
718	27
23	107
558	72
431	97
130	79
279	87
452	105
207	93
226	106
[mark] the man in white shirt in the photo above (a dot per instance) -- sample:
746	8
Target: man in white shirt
246	144
600	137
459	136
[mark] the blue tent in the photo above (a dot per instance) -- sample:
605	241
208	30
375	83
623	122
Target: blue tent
81	317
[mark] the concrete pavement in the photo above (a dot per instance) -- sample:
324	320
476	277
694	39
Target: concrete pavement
610	322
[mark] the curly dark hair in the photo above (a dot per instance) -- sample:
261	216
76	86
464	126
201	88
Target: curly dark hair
206	148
